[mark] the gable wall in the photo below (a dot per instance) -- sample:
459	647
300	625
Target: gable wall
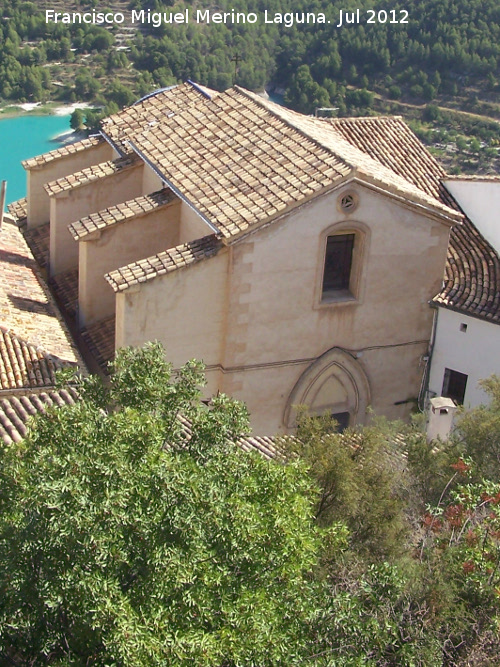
277	325
273	326
75	204
117	246
278	274
38	199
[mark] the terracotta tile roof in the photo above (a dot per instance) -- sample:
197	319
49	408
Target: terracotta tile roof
165	262
391	142
100	339
261	444
237	163
65	287
19	210
240	160
149	112
472	274
63	151
269	447
365	155
23	365
121	212
85	176
38	239
26	305
16	411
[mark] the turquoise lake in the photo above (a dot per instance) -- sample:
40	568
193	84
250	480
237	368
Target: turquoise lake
22	137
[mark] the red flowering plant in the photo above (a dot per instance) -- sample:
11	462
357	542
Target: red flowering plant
463	532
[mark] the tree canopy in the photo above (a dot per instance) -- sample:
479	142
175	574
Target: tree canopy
135	531
130	536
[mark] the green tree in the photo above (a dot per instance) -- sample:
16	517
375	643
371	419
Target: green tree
133	532
361	482
76	120
478	432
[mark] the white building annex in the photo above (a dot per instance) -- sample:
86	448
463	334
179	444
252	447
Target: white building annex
466	347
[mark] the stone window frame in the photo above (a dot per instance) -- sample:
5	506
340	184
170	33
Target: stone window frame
354	294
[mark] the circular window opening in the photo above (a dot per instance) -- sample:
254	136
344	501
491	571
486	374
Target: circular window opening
348	202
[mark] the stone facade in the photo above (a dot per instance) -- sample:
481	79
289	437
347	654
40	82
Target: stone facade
209	228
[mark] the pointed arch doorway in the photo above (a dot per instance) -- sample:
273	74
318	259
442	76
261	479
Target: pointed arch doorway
336	384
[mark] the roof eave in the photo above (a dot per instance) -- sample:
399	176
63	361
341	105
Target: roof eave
440	212
435	303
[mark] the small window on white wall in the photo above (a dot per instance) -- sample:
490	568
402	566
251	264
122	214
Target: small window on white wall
454	385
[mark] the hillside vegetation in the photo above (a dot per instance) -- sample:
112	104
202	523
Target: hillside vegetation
438	69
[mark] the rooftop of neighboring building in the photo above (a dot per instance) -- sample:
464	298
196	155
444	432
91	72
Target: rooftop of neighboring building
27	308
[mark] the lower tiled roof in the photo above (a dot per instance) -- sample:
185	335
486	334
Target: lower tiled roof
23	365
38	239
165	262
262	444
26	306
472	275
113	215
85	176
65	287
15	411
19	210
100	340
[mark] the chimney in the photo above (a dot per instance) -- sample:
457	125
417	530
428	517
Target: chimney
440	419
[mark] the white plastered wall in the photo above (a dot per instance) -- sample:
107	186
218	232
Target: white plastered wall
480	200
473	352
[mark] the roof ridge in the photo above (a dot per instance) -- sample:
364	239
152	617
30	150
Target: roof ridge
263	103
365	159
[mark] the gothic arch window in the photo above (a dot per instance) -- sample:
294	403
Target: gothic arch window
336	384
